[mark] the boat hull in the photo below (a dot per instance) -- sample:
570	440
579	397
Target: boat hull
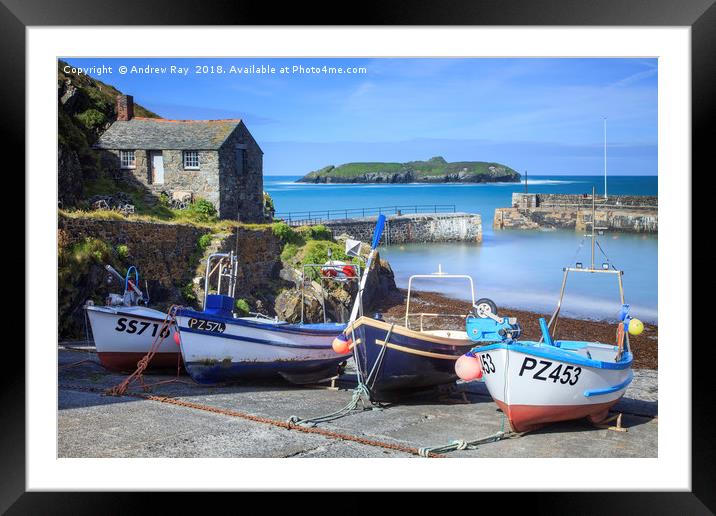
218	349
411	360
535	386
125	334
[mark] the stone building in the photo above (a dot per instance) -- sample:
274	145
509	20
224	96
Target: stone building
216	160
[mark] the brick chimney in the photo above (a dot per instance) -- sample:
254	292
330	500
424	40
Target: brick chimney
125	107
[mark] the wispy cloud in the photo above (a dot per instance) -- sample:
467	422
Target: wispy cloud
634	78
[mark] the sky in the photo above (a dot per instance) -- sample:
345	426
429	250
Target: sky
544	116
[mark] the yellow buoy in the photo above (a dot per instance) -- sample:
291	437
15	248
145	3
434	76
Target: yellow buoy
635	327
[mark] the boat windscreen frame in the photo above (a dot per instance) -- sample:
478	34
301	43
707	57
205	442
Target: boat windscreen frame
221	259
436	275
552	324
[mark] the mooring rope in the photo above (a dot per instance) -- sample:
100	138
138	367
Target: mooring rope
379	360
361	392
461	444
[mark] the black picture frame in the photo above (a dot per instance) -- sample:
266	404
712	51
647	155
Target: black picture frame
700	15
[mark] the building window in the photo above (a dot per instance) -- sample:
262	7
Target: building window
127	159
191	160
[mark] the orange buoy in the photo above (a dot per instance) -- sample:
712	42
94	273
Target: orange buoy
341	344
468	368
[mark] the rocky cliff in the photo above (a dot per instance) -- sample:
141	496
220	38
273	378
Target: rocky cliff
435	170
86	107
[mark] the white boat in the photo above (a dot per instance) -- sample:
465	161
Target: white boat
550	380
125	334
124	331
535	383
218	347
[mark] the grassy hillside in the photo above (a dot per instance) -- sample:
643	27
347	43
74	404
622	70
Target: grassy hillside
435	170
85	108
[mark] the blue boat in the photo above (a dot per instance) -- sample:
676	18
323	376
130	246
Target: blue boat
218	347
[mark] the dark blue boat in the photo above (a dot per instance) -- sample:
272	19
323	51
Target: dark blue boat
395	360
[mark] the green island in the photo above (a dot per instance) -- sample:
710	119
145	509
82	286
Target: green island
434	170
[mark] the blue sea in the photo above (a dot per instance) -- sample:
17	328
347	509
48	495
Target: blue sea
517	269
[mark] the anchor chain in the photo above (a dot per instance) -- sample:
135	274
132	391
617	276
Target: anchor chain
143	363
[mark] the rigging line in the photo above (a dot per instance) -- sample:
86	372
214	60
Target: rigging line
579	248
609	261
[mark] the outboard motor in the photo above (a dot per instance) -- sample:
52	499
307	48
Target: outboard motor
132	294
483	324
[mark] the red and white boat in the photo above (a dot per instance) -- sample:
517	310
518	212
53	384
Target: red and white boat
535	383
124	331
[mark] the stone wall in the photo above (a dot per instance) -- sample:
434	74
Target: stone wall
528	200
203	183
402	229
161	252
614	219
242	188
167	254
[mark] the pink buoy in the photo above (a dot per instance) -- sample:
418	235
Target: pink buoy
468	368
176	338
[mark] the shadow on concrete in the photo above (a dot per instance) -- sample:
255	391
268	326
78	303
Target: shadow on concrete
83	385
583	425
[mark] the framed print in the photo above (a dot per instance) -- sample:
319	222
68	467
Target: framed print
419	246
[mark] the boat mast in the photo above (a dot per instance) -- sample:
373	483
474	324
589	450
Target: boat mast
593	224
605	157
594	213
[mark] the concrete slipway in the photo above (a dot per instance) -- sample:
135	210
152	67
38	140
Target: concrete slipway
91	424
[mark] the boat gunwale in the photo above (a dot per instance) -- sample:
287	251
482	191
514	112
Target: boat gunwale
281	327
108	310
407	332
253	340
560	355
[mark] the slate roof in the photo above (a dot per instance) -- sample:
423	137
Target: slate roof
162	134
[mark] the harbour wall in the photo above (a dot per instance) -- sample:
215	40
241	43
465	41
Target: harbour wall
628	213
416	228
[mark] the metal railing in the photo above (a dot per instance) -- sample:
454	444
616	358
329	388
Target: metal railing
307	218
